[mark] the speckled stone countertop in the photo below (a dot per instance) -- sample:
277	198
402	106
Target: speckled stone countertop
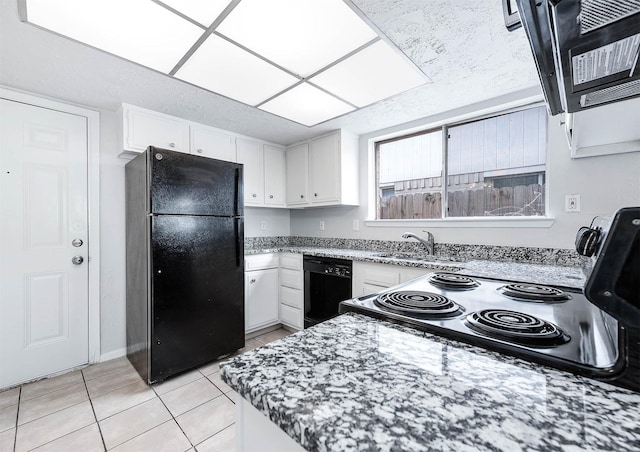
356	383
552	275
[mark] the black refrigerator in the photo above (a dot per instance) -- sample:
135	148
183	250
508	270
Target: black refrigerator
185	261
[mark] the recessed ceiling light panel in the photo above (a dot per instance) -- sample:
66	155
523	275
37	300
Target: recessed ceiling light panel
138	30
372	74
202	11
307	105
225	68
302	36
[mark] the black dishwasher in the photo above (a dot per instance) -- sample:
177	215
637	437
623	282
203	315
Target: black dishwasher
327	282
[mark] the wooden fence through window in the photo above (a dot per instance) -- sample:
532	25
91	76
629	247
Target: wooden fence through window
521	200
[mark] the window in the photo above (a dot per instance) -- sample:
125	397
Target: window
492	167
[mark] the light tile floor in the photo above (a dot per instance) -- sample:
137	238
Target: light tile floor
107	406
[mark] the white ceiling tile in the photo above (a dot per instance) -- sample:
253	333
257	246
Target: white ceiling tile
306	105
302	36
202	11
226	69
132	29
370	75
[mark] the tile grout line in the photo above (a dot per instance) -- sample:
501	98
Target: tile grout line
15	434
173	417
93	411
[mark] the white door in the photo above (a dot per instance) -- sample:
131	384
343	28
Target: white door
43	226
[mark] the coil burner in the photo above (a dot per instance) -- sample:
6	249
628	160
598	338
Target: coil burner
424	304
534	293
516	327
452	281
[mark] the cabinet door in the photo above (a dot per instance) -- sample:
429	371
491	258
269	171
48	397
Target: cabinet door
144	128
370	277
261	299
249	153
211	143
274	176
297	162
324	169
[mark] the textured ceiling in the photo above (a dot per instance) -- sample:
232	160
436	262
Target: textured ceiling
462	46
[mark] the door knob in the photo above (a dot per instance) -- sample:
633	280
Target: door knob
77	260
77	242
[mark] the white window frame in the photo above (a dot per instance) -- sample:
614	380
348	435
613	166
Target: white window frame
454	222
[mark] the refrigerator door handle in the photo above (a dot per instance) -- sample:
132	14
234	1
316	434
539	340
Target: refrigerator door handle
239	190
239	226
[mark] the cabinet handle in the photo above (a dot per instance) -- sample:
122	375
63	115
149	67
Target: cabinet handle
254	195
315	194
271	196
172	145
199	151
301	196
252	281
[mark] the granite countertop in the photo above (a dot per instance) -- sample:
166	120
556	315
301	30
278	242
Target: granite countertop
553	275
356	383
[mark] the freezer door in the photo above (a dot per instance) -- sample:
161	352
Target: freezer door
193	185
197	291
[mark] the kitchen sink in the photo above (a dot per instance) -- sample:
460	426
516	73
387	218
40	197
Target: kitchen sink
414	257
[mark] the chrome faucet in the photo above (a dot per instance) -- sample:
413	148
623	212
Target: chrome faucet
428	243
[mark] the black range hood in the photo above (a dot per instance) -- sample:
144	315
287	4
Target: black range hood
586	51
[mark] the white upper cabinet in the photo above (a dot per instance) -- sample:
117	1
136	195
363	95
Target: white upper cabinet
264	173
274	176
324	169
249	153
297	164
142	128
212	143
331	176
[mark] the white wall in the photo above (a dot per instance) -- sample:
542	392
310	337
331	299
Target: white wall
112	229
605	184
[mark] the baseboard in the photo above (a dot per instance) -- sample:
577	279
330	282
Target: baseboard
113	354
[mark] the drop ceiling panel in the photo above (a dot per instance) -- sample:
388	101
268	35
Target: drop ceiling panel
202	11
306	105
226	69
138	30
301	36
374	73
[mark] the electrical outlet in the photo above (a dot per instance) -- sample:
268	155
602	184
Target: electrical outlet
356	224
572	203
322	225
263	225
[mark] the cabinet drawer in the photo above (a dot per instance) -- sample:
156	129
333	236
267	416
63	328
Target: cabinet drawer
382	277
291	261
291	278
291	316
291	297
260	261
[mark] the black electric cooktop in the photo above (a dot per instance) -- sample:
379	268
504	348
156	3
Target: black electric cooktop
550	325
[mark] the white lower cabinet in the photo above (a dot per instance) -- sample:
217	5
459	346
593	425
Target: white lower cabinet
291	290
261	292
369	277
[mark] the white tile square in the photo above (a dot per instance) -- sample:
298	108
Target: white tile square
122	399
41	431
130	423
166	437
219	414
86	439
190	396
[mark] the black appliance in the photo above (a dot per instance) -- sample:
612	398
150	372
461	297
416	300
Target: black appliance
327	281
591	332
586	51
185	261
